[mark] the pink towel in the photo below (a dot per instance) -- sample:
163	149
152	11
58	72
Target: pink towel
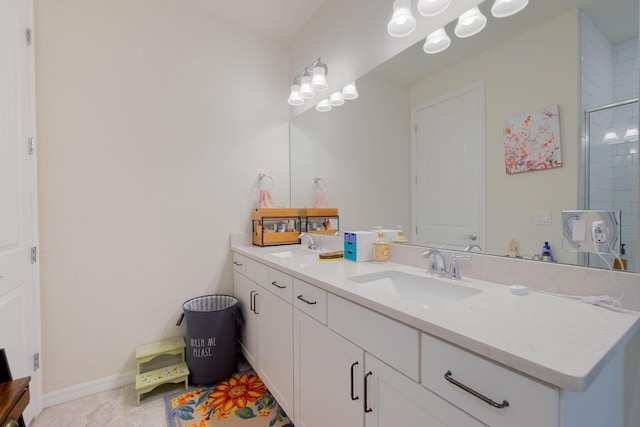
321	200
265	200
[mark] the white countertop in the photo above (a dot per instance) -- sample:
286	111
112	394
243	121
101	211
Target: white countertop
560	341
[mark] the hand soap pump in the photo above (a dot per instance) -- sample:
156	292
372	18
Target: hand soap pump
380	247
400	236
546	252
620	263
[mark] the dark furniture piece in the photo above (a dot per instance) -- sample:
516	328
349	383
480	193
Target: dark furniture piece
14	395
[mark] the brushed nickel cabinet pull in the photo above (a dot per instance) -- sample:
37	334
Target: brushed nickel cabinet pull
448	377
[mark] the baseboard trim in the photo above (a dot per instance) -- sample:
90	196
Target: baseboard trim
87	389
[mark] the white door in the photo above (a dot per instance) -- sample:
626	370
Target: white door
245	291
327	376
448	190
19	293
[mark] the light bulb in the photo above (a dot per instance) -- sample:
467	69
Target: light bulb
323	106
294	97
432	7
305	88
470	23
504	8
350	92
336	100
437	41
402	22
319	81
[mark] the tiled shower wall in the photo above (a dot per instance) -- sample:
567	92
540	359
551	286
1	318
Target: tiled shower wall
610	73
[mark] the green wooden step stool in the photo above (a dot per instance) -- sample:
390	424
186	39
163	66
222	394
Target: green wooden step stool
176	373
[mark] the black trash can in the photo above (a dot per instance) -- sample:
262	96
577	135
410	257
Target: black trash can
211	337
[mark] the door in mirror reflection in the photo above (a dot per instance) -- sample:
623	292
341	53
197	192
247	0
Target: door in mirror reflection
448	202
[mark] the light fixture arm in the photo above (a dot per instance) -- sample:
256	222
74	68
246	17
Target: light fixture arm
309	70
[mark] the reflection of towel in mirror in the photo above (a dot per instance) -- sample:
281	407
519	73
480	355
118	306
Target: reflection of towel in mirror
321	200
265	200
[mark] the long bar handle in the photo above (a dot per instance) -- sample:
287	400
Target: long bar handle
253	300
448	377
366	395
239	264
274	283
306	300
352	382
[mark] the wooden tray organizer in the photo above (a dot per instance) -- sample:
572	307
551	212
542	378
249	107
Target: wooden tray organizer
314	220
266	224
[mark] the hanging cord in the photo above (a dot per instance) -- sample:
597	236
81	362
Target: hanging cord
606	301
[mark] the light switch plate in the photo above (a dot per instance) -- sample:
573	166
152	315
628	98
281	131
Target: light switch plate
542	218
591	231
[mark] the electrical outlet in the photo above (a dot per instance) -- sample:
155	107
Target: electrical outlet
591	231
599	231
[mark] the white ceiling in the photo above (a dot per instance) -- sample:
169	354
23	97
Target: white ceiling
278	19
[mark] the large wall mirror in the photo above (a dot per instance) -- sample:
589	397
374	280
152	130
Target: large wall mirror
573	55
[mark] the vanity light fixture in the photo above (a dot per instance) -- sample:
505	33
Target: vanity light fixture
631	134
294	96
305	86
470	23
611	137
336	99
504	8
402	22
323	106
437	41
350	92
319	81
432	7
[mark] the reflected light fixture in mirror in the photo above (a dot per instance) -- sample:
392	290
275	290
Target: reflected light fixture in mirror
632	133
336	99
323	106
402	22
437	41
432	7
470	23
350	92
504	8
294	96
611	137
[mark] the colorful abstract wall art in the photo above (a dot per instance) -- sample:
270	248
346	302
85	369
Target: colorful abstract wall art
532	141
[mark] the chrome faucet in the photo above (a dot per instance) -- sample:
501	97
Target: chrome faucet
312	243
436	265
471	246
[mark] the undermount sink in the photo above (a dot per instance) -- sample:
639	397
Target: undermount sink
290	253
425	290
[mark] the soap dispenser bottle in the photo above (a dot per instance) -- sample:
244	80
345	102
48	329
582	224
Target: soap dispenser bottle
546	252
380	247
400	238
620	263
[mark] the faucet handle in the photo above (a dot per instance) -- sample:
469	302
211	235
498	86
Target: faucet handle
454	270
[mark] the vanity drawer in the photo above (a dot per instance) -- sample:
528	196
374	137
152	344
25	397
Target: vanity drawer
530	403
310	300
238	263
257	272
393	342
281	284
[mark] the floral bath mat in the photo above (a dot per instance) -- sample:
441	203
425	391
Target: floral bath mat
240	400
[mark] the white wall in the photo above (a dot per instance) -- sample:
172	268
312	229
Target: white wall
346	147
513	87
154	121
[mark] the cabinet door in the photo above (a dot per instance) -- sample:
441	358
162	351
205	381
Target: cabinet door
328	376
275	348
395	400
246	293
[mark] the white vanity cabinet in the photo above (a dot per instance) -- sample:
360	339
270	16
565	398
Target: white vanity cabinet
327	376
267	337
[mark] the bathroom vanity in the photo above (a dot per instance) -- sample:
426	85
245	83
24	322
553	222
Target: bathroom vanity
364	344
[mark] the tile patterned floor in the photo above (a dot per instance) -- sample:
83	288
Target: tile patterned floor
112	408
